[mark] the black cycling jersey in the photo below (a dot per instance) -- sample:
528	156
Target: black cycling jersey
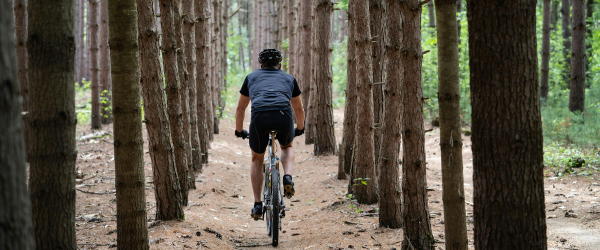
270	89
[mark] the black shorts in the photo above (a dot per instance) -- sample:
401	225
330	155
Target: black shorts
261	123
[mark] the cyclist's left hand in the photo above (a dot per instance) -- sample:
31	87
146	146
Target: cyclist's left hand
298	132
243	134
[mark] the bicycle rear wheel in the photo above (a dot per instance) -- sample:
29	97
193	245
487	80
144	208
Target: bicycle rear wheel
274	216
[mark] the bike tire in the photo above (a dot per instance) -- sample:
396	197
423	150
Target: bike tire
274	228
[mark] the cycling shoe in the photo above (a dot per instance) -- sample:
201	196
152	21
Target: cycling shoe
257	211
288	186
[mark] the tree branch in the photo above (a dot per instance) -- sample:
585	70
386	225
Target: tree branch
235	12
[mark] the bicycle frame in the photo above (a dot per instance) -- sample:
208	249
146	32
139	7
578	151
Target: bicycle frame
271	169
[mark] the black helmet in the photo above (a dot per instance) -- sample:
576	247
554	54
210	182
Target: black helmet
269	57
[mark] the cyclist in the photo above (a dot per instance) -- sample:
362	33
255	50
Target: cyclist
273	94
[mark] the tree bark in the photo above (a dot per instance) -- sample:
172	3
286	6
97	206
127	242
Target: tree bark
305	60
343	25
349	132
578	62
292	36
224	54
554	14
78	37
390	204
507	129
94	67
324	132
211	79
130	181
216	83
378	16
415	213
20	12
566	26
458	10
203	40
545	49
364	160
189	19
589	12
15	206
283	33
81	45
166	184
52	120
455	229
105	80
174	94
432	13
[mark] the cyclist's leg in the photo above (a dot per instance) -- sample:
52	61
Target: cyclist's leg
287	158
256	175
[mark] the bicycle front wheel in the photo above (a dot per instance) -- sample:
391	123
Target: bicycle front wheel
275	196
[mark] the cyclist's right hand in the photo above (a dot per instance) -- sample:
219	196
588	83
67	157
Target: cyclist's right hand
243	134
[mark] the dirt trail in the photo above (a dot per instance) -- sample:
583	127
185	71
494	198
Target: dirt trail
319	216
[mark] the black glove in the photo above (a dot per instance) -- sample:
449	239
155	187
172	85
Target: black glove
243	134
298	132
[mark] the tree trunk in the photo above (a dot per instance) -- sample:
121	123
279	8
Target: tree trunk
283	32
86	51
299	33
210	124
507	129
324	134
343	25
589	12
390	204
450	127
349	132
166	184
292	36
554	14
377	13
578	62
216	63
52	120
203	40
15	206
431	10
94	67
224	54
365	190
566	18
78	37
304	58
20	12
189	19
545	49
105	81
132	231
415	213
81	45
256	35
458	10
174	93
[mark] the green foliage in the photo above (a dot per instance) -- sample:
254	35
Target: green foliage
342	4
338	65
559	161
83	107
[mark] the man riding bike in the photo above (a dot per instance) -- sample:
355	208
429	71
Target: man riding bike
274	94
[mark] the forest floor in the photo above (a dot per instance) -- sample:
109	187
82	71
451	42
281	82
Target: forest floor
320	217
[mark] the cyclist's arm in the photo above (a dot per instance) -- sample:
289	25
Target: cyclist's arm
298	111
240	112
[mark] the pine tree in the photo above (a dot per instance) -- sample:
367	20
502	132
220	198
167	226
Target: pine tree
94	69
578	62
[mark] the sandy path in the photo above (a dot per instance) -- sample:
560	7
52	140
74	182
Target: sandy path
319	217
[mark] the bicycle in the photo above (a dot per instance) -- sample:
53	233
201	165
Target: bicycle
274	208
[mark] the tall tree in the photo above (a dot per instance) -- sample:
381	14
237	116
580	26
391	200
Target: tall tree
203	40
324	132
545	49
216	63
415	214
78	37
566	34
183	171
283	32
364	163
507	154
589	13
81	52
210	124
349	133
20	14
453	193
292	37
223	70
174	97
305	60
578	62
432	13
378	15
458	10
189	21
94	67
166	184
390	204
15	206
554	13
52	120
105	80
132	232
